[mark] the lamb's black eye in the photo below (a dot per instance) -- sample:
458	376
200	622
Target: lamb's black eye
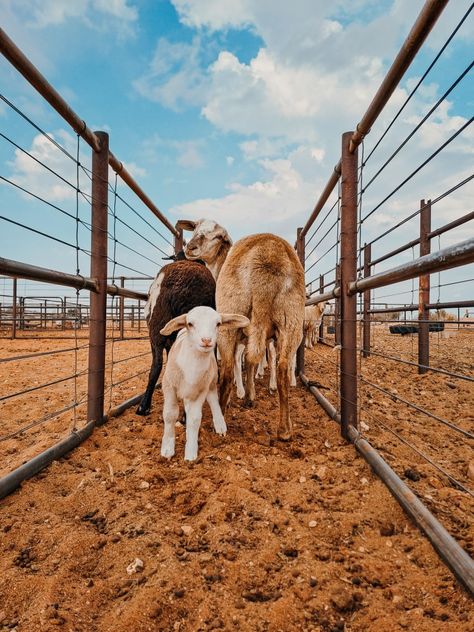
190	325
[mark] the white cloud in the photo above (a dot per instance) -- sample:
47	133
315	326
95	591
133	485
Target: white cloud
174	77
230	160
30	173
44	13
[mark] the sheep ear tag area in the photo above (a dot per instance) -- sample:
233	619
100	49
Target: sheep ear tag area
173	325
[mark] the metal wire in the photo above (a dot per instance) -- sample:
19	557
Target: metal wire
43	420
40	386
422	78
420	167
459	376
325	218
419	409
30	356
422	454
418	211
420	124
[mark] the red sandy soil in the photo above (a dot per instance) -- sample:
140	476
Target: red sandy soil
256	535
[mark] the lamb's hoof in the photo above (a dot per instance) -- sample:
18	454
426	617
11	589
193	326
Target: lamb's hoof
221	429
284	436
143	412
240	394
248	403
167	452
272	391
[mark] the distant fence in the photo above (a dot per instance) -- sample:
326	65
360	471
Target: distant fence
338	242
105	246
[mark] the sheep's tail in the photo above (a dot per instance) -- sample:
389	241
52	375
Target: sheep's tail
256	344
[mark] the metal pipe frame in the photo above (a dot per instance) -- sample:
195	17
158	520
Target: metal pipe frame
427	18
366	306
454	256
16	57
348	267
98	300
21	270
444	544
419	32
434	233
300	251
327	296
424	290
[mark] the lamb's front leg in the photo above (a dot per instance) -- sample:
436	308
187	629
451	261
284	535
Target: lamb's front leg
193	423
217	416
170	417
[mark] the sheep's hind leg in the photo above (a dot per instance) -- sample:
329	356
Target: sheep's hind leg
156	365
250	384
193	423
217	416
238	371
170	416
272	361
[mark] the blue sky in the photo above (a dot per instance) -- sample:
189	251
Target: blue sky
230	110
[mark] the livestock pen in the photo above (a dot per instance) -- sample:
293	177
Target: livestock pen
265	535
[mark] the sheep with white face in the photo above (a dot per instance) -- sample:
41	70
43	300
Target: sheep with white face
191	375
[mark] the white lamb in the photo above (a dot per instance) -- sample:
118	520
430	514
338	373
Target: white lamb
191	375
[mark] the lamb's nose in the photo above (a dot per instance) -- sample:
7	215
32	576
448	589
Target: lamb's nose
206	341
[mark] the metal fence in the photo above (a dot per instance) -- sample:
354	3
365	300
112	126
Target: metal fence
351	274
351	382
112	230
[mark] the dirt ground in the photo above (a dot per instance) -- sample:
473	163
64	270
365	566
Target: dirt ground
256	535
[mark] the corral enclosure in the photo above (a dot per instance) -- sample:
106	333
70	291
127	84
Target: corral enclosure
257	534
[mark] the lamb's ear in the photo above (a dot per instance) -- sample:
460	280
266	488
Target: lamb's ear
173	325
235	320
186	224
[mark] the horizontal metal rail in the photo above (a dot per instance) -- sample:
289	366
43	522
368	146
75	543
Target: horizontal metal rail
444	544
13	480
36	273
451	257
414	307
412	44
40	83
434	233
327	296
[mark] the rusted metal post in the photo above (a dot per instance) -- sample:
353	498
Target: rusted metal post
366	315
139	315
133	317
424	290
98	300
178	241
348	394
337	309
321	325
122	310
300	251
14	312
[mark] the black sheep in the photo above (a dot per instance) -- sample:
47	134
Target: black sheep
177	288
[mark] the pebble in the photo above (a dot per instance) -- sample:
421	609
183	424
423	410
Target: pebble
364	481
136	566
363	426
144	485
321	471
312	523
302	479
186	529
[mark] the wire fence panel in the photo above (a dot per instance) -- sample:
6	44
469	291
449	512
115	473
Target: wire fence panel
48	324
